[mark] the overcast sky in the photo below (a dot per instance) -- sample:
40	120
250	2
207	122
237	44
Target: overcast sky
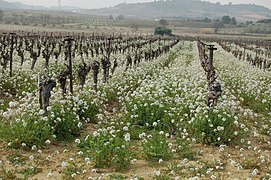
107	3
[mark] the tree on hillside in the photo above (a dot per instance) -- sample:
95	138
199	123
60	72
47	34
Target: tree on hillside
217	24
1	14
163	22
120	17
207	20
111	16
233	21
226	20
163	31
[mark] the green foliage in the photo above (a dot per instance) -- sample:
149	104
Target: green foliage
169	61
157	147
145	113
163	31
30	171
216	127
87	108
207	20
72	169
226	19
120	17
30	129
161	177
174	166
233	21
64	122
258	28
19	83
7	174
111	17
15	86
265	21
110	94
1	14
217	24
117	177
107	150
184	149
163	22
229	20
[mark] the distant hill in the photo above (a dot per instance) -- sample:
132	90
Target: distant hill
176	9
13	5
170	9
17	5
265	21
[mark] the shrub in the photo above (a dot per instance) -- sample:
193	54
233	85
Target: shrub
157	147
28	130
107	150
64	122
163	31
216	127
87	108
150	114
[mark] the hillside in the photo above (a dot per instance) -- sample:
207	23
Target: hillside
18	6
170	9
13	5
176	9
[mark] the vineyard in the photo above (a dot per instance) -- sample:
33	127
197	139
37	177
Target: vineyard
79	106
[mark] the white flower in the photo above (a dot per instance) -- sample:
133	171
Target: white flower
220	128
254	172
48	158
80	153
127	137
6	115
157	173
64	164
77	141
125	128
41	112
95	133
49	108
12	104
154	124
87	160
160	161
79	125
48	142
31	158
34	148
62	101
142	135
94	170
213	177
50	174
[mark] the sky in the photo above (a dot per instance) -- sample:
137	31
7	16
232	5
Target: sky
107	3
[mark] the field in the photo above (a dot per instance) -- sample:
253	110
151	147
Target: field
136	107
